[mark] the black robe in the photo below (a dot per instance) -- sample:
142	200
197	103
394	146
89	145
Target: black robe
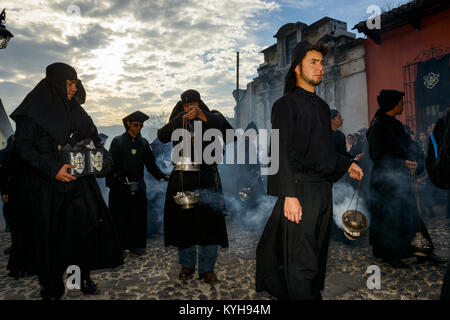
72	224
14	180
205	223
394	215
130	211
291	258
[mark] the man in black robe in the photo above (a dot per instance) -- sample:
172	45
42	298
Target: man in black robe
292	252
22	259
394	215
72	224
128	192
204	224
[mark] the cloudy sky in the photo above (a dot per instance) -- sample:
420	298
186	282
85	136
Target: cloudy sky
141	55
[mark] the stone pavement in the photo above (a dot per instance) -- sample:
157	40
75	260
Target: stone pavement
154	275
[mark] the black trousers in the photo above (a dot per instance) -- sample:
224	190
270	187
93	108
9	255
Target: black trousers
291	258
130	216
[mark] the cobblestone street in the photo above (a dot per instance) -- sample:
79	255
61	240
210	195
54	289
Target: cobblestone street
154	275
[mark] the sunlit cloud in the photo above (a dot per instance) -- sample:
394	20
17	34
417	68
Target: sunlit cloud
136	54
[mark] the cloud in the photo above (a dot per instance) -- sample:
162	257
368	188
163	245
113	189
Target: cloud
136	54
298	4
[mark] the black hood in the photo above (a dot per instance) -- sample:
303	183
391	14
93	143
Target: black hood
136	116
297	55
47	104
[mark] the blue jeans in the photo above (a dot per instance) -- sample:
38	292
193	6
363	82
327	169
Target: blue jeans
207	257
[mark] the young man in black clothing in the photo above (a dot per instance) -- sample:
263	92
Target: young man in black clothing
292	252
128	197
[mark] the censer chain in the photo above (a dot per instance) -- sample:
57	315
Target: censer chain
357	199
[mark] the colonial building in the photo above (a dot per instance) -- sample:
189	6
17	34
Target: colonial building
410	52
344	85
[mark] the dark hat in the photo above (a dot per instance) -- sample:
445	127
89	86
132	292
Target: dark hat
388	99
190	96
333	114
136	116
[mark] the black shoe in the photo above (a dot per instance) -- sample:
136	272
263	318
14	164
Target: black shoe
89	287
399	264
138	251
432	258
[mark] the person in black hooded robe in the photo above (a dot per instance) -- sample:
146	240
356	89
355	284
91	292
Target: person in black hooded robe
128	192
394	215
204	224
72	224
292	253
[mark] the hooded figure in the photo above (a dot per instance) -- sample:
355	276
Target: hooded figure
394	214
71	221
204	224
291	255
128	196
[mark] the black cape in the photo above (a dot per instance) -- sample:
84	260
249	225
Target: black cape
394	214
130	155
205	223
71	221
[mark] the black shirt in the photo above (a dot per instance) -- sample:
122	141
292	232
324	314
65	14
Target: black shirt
306	146
130	155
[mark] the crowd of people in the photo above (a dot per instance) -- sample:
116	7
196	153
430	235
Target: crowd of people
58	217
